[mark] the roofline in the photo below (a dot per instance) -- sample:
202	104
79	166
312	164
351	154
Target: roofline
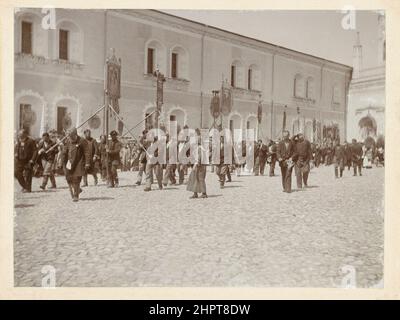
250	38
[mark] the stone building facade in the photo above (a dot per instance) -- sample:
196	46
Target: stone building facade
366	110
59	74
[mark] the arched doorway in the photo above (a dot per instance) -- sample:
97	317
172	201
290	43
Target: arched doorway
67	114
252	124
30	110
367	126
308	131
235	125
179	117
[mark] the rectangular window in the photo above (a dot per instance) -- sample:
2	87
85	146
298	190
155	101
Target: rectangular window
174	65
25	111
63	45
61	113
249	76
248	125
172	117
233	71
150	60
26	37
231	125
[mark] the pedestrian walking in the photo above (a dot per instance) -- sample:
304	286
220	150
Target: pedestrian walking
285	152
47	153
113	160
302	157
94	155
24	156
76	159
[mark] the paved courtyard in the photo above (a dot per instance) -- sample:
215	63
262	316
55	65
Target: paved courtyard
248	234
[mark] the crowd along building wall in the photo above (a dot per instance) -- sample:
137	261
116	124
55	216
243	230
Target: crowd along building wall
54	91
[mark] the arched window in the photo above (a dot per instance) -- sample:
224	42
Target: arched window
155	57
254	78
69	42
179	63
237	76
30	37
299	86
310	88
336	94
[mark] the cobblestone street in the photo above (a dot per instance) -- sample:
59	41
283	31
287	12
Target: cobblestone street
248	234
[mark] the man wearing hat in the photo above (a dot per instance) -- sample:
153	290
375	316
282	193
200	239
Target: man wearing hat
285	152
76	159
93	157
47	155
113	149
25	155
356	155
302	157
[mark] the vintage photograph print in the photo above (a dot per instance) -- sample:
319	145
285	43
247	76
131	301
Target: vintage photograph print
199	148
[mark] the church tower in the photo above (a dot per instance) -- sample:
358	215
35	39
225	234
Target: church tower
357	57
381	39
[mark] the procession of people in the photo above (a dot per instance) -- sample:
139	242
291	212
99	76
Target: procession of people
79	158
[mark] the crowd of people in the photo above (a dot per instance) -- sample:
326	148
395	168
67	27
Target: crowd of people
77	157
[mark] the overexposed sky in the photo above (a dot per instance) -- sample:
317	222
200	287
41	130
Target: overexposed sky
319	33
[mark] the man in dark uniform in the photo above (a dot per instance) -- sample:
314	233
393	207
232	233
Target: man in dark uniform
24	155
284	152
113	149
75	161
339	159
143	145
272	148
302	156
348	155
93	156
356	156
103	156
47	155
261	160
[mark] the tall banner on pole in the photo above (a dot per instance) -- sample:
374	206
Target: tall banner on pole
112	86
159	96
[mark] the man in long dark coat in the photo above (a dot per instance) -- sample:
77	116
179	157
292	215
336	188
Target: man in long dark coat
47	152
94	155
356	155
24	156
76	159
285	152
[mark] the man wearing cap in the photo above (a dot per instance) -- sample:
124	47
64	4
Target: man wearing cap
143	145
285	151
356	156
94	155
302	156
113	149
47	155
76	159
24	155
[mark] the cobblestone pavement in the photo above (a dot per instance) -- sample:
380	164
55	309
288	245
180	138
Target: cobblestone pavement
248	234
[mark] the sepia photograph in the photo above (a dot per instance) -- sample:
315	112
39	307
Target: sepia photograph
199	148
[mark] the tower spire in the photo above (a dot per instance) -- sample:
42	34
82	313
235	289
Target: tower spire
357	57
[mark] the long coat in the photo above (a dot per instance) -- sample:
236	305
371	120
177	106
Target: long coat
284	152
78	155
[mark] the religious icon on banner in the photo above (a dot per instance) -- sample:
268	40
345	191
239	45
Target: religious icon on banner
113	80
67	121
226	101
94	123
215	105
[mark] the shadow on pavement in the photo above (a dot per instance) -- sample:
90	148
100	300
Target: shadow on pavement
96	198
20	206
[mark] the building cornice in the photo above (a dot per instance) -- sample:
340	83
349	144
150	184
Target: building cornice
199	29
